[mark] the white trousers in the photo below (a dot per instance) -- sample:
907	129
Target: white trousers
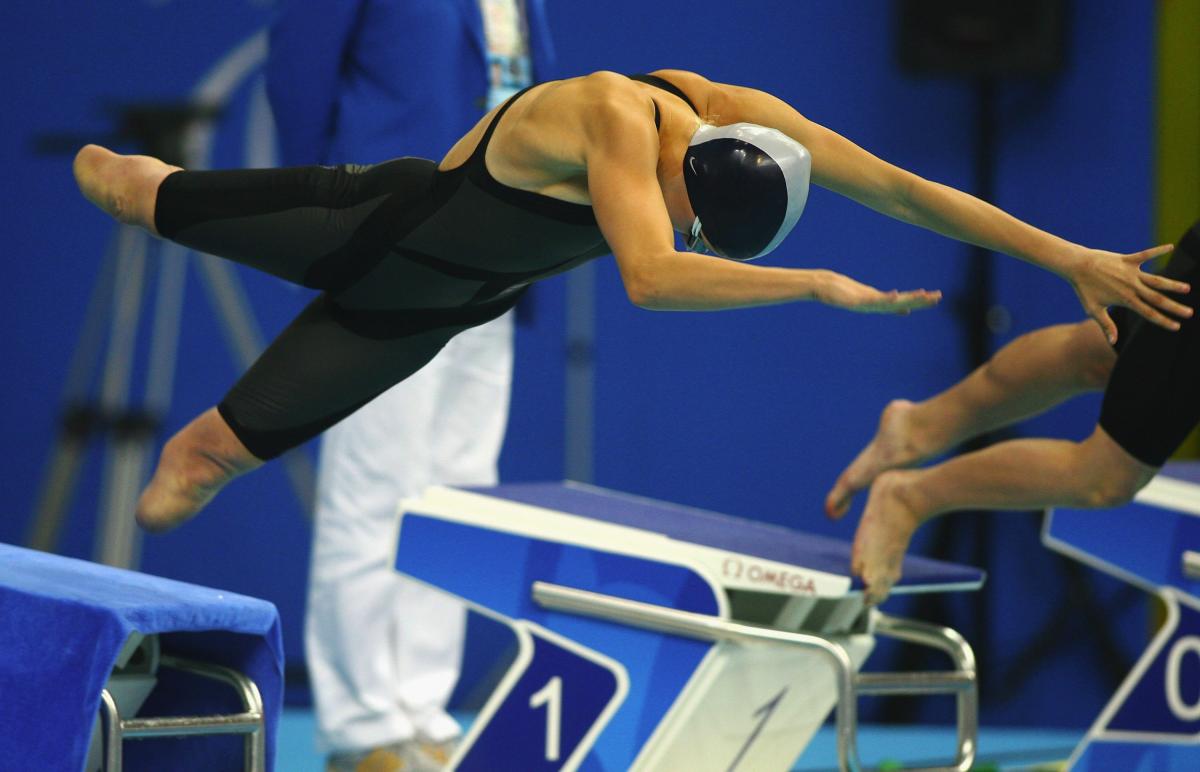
383	651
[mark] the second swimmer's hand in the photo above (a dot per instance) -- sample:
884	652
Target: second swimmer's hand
1102	279
834	289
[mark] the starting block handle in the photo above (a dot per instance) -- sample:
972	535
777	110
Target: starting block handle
849	686
250	722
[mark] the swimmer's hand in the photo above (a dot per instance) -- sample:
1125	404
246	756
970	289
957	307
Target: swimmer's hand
1102	279
834	289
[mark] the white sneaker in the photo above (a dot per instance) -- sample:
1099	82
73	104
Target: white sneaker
409	756
431	756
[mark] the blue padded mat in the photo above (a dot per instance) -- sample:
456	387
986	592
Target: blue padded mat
62	625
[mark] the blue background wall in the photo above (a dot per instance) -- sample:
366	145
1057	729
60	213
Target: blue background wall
748	412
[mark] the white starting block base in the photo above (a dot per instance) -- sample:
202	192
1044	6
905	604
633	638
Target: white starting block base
720	719
656	637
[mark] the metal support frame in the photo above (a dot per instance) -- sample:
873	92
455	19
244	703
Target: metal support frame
960	682
250	722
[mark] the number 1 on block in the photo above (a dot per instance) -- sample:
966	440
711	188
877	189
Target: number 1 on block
550	695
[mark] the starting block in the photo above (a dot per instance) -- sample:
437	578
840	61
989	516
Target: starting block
650	636
1153	721
93	656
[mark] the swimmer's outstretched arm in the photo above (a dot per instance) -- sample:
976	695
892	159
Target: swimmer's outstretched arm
622	156
1100	278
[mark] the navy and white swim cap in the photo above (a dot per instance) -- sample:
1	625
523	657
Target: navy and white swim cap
747	185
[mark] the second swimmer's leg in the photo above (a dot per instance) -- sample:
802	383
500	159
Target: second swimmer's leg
1029	375
1015	475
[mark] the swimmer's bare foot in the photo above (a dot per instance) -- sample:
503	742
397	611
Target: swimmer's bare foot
195	464
883	534
896	444
124	186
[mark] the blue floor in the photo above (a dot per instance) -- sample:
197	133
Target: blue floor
1004	749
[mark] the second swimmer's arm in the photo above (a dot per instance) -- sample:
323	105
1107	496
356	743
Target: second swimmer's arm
622	155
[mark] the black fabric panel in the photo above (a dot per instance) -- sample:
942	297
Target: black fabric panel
323	227
545	206
321	368
410	200
189	197
389	324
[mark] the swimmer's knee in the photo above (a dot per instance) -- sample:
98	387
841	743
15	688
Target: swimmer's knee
333	187
1108	492
346	185
1111	476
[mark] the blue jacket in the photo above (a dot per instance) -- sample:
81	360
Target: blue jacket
362	81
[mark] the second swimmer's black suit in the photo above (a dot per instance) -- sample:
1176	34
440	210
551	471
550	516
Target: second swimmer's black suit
407	257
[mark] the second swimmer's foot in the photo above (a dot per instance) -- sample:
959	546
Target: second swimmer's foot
883	534
893	446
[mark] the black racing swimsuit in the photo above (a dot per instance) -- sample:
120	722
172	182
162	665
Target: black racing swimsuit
1152	401
407	257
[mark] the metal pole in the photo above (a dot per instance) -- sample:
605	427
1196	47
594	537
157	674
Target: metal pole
124	463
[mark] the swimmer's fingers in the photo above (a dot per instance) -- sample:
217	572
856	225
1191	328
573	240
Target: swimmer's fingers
1152	314
1104	279
896	302
1152	252
1107	325
1152	286
1164	303
1163	284
840	291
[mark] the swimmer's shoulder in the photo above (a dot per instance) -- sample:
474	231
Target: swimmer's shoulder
602	96
705	94
605	85
709	97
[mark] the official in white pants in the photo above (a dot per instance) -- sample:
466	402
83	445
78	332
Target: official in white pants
446	423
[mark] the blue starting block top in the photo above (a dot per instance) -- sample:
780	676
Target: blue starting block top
1143	541
738	536
63	623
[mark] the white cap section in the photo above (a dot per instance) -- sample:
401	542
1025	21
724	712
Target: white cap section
793	159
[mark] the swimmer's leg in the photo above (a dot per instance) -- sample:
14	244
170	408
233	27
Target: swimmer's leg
1150	406
327	363
1029	375
194	465
1015	475
320	226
